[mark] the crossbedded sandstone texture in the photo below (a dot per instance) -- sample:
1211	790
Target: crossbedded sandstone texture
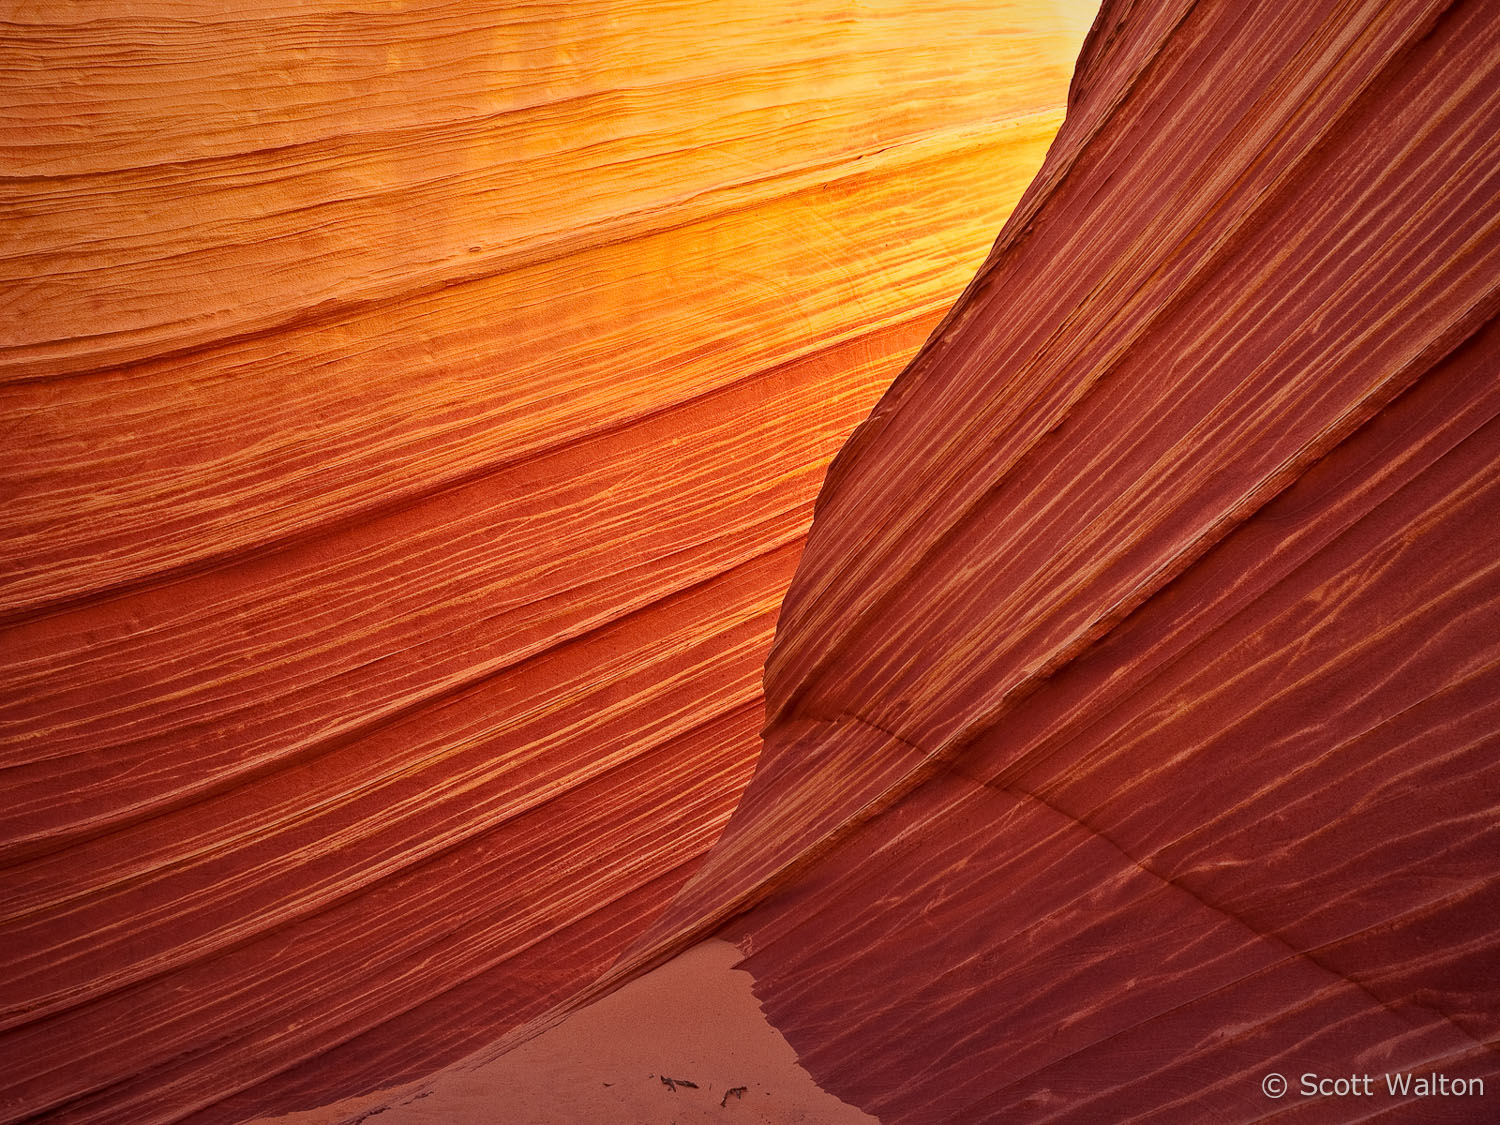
412	413
1134	716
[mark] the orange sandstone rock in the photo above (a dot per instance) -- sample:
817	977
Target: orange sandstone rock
412	414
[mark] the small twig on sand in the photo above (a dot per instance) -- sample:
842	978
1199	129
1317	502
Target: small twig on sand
673	1083
737	1091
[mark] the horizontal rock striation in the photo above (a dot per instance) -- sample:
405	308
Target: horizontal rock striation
1134	716
412	416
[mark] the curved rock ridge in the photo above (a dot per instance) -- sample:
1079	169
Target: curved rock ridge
412	417
1134	716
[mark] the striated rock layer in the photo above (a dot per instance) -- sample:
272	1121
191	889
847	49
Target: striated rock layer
412	414
1134	716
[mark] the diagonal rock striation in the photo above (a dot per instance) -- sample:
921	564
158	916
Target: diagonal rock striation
1133	715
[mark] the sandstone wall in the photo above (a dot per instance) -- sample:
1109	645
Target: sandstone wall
412	413
1134	713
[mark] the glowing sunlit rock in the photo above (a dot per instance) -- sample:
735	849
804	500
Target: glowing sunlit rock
412	415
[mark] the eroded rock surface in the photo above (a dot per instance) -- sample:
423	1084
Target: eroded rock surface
1134	714
412	416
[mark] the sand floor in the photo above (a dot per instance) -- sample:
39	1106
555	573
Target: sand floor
692	1020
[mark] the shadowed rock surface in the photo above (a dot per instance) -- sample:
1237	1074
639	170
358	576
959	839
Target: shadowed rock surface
1133	717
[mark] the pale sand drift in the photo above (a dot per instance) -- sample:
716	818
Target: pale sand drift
695	1019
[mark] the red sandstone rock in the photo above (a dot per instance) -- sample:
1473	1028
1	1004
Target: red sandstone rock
1134	717
412	415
